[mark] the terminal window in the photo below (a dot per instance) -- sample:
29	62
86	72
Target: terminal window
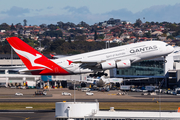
2	71
144	68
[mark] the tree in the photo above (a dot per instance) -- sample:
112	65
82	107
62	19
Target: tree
43	25
55	44
95	35
80	38
19	26
25	22
60	24
83	24
148	34
4	26
52	27
12	27
45	42
57	33
69	39
138	23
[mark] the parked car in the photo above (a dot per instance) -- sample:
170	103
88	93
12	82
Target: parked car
89	93
13	87
133	89
23	87
145	93
66	93
40	93
85	89
18	94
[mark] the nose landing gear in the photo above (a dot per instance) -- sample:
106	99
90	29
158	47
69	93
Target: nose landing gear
99	74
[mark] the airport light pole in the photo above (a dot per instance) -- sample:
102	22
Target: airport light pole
11	56
74	92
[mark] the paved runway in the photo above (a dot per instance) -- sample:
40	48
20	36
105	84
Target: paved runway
27	115
55	95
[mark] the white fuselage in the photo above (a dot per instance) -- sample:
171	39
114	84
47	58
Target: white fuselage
132	52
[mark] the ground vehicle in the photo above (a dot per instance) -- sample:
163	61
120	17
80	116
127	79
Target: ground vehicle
13	86
125	87
66	93
23	87
19	94
40	93
89	93
178	92
85	89
150	88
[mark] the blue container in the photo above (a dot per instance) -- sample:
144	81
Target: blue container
46	77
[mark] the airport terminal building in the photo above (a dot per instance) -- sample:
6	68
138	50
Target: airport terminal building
158	71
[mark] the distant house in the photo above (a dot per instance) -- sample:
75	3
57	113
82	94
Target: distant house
157	33
3	31
27	32
177	37
170	33
90	40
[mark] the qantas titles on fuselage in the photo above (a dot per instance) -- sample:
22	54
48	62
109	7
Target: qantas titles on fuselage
143	49
116	57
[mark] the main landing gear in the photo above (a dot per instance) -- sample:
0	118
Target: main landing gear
99	74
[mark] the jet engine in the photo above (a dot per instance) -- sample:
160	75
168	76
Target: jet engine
123	64
108	64
113	64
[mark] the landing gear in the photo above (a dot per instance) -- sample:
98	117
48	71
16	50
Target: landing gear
165	61
99	74
83	84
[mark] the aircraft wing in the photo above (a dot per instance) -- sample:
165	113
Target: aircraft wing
89	64
12	68
95	64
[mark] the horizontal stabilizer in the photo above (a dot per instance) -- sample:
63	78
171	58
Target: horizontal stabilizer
35	70
88	61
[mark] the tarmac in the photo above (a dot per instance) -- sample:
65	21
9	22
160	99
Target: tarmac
55	95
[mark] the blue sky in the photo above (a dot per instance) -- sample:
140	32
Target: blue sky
37	12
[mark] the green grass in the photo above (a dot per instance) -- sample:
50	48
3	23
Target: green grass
22	106
102	105
140	105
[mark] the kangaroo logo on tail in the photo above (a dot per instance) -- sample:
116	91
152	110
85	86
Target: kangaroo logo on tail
31	58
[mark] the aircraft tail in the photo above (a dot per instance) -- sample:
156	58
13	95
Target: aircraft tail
34	60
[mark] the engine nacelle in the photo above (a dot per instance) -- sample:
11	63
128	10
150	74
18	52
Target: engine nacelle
123	64
108	65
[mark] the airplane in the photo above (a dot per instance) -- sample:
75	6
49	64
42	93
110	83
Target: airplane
102	81
95	62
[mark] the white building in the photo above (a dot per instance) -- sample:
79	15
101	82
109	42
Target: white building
90	111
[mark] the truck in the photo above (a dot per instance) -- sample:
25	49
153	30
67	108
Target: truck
150	88
31	84
125	87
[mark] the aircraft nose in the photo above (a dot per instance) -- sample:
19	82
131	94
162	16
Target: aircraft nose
170	49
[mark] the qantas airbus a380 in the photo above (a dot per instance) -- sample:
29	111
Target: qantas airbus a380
91	62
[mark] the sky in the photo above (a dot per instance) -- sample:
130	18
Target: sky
38	12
